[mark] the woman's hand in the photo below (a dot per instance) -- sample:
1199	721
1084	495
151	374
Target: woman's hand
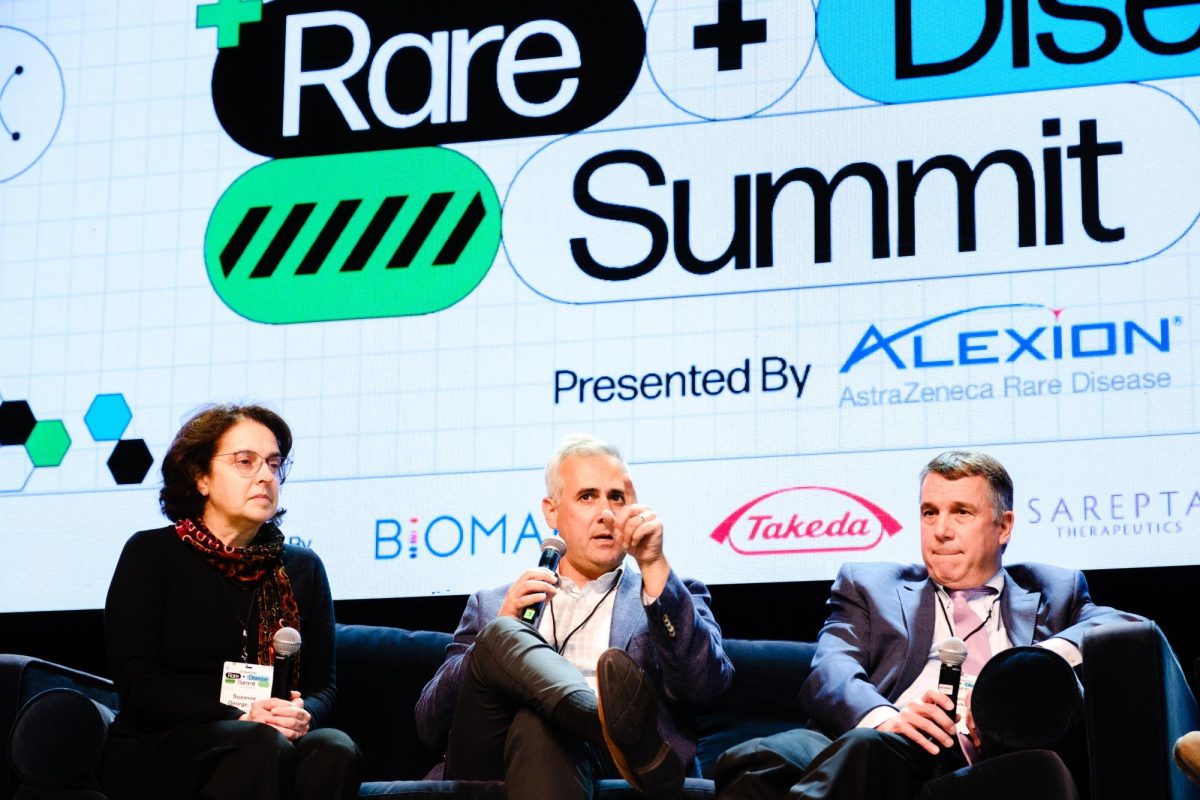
286	716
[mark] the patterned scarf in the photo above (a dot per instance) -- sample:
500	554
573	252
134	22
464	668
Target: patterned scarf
259	565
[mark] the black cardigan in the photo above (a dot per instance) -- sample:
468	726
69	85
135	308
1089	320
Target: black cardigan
171	621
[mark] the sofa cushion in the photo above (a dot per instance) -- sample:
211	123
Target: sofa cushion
764	698
380	674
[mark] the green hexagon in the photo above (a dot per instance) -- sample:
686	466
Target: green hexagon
48	443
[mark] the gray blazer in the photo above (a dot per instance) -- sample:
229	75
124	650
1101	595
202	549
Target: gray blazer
876	639
675	640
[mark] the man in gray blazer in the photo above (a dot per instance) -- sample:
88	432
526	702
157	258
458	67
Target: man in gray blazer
874	680
595	689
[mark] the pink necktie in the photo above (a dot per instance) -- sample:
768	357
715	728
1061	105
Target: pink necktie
967	623
979	649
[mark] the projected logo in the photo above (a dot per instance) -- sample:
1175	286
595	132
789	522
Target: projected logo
744	55
922	50
1042	336
357	235
448	535
806	519
315	76
107	419
1110	513
344	227
1012	184
32	98
28	443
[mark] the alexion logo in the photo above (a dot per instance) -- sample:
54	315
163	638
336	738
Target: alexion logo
1048	337
806	519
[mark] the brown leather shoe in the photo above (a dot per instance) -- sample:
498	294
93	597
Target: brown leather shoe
629	719
1187	755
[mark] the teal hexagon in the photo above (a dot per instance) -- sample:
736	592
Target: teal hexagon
107	417
48	443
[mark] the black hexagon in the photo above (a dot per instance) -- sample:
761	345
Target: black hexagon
130	461
16	422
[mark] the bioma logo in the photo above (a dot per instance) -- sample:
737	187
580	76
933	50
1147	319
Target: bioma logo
806	519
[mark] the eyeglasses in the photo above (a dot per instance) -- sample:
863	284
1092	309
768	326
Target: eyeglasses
248	463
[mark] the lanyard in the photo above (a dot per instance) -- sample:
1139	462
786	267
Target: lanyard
978	628
554	620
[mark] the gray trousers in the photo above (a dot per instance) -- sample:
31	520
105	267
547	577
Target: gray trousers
503	721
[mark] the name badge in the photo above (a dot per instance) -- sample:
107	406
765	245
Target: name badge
965	685
243	684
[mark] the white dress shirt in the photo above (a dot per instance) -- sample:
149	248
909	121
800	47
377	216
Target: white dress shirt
562	618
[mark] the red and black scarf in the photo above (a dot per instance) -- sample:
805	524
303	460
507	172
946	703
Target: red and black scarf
259	565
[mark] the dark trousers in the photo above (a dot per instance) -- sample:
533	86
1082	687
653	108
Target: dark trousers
232	760
506	725
866	764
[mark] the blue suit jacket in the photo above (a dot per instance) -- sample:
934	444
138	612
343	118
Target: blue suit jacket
675	640
876	639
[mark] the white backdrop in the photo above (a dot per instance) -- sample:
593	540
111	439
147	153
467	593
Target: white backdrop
811	386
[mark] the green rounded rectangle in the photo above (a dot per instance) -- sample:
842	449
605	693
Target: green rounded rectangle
381	234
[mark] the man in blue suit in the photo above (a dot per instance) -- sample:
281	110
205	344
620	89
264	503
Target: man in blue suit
874	680
594	690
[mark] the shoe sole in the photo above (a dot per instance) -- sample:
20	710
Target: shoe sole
632	776
1185	766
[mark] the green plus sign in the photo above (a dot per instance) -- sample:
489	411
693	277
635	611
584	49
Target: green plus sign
228	17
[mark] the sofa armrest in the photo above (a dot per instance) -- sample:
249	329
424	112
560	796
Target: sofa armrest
1137	703
58	741
22	678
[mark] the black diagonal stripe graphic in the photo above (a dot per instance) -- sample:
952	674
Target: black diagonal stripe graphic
420	229
378	226
284	237
241	237
462	232
328	237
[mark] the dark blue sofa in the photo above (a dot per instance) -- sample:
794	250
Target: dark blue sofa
58	735
1137	699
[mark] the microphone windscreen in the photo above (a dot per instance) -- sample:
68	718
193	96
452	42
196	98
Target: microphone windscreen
555	543
1027	698
952	652
287	642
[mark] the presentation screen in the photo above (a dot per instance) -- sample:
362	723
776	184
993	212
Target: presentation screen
779	253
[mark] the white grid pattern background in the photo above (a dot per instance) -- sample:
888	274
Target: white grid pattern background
103	289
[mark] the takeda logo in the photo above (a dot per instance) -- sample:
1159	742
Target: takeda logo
806	519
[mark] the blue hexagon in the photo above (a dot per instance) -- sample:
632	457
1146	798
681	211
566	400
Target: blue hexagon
108	417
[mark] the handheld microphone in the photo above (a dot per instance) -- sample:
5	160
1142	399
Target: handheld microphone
287	645
553	549
952	653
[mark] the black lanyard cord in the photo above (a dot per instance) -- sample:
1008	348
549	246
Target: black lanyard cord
977	629
554	620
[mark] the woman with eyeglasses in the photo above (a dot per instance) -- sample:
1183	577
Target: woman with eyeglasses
211	590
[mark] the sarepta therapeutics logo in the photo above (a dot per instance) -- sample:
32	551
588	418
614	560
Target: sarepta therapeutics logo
806	519
1045	337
